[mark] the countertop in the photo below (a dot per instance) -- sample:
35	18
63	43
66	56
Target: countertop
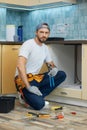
10	43
66	42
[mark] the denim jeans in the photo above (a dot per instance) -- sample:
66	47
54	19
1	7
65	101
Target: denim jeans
37	102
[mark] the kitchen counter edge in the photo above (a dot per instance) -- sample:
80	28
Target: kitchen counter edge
67	42
71	42
10	43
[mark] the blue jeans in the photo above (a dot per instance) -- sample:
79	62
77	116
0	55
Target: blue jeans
37	102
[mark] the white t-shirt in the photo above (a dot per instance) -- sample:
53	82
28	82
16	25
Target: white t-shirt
36	55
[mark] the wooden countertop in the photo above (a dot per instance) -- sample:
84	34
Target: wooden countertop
66	42
10	43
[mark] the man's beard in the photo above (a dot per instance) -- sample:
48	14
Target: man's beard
42	39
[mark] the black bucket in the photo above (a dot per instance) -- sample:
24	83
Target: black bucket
7	104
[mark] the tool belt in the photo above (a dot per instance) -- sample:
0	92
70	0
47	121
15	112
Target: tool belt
20	84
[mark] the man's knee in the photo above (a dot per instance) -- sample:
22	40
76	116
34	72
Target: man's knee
38	104
63	75
35	101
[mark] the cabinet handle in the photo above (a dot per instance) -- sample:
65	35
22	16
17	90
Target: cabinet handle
15	48
64	93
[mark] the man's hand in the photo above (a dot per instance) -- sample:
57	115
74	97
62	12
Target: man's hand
53	72
35	90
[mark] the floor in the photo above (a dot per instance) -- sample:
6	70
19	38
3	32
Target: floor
73	118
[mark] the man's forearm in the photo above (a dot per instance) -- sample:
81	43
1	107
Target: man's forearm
23	76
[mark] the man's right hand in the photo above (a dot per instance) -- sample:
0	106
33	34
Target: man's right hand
53	71
35	90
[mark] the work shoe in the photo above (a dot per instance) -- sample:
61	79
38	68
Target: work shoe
46	105
22	101
20	98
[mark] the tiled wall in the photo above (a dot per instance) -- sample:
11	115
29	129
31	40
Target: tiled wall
63	21
68	21
14	17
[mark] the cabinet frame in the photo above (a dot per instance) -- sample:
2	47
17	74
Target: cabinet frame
72	92
84	71
74	96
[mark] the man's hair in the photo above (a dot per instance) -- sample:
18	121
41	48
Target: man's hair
42	25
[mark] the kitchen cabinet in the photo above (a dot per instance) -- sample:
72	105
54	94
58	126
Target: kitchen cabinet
64	57
34	2
9	54
16	2
53	1
70	57
39	2
22	3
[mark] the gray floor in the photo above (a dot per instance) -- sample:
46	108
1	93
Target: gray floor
75	118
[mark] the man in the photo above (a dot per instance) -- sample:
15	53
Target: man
32	85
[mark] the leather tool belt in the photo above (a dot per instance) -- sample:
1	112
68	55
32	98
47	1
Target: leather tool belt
20	84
